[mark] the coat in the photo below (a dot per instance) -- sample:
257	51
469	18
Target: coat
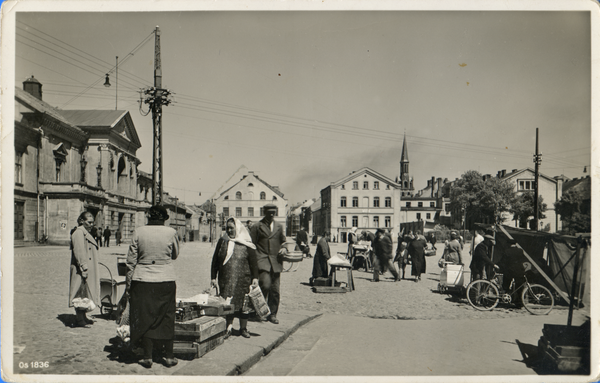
268	244
384	248
84	256
323	253
151	253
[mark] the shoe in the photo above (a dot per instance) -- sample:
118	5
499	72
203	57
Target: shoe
146	362
244	332
417	279
273	319
170	362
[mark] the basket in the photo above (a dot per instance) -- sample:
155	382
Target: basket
293	256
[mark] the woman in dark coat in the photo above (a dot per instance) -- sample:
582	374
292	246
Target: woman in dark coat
416	251
320	267
383	248
234	264
151	286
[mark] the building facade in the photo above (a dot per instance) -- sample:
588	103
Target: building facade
364	199
245	200
69	161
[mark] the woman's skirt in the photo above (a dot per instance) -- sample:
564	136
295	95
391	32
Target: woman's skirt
152	310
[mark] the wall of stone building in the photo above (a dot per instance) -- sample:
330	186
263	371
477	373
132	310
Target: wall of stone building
70	170
26	217
62	217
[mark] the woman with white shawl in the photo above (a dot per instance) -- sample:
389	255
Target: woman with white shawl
234	265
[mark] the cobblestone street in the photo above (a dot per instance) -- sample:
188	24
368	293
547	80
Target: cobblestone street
42	316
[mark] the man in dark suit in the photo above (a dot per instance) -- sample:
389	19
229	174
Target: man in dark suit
268	237
302	242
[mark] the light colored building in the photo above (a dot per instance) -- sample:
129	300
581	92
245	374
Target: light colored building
365	199
245	199
68	161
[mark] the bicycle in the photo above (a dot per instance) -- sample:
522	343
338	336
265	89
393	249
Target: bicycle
485	295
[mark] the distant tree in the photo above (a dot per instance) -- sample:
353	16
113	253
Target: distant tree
522	208
574	210
483	201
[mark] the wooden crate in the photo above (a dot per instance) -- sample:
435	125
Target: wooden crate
199	329
193	350
566	349
329	289
188	311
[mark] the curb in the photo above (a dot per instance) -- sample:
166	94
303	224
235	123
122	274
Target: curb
237	355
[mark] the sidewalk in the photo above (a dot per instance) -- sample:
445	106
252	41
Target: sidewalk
238	354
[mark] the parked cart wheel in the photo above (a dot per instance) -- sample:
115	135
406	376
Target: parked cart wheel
483	295
537	299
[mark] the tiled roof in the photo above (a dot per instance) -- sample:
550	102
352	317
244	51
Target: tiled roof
92	118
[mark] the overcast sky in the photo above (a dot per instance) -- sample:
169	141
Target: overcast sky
303	98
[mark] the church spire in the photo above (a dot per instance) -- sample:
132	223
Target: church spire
404	157
405	181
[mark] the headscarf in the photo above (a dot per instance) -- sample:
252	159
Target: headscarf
353	230
241	236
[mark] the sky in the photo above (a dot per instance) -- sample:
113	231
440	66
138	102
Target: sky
303	98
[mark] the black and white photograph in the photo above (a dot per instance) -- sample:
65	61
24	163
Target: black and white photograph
391	191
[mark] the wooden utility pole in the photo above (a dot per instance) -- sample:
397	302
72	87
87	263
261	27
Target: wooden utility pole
537	159
156	97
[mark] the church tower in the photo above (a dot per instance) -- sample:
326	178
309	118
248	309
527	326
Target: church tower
406	182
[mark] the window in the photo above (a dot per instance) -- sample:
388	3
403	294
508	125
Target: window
250	212
526	185
428	216
18	167
420	204
366	185
355	185
83	166
58	169
387	187
431	204
343	202
418	216
274	198
250	185
375	201
354	221
388	221
408	204
238	195
226	212
376	185
262	212
343	221
375	221
354	201
388	201
263	195
343	187
238	211
226	197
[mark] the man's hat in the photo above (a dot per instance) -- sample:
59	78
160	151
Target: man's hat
269	206
158	212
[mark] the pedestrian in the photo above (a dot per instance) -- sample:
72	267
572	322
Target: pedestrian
476	241
248	224
383	249
416	251
107	234
481	258
369	238
118	237
453	251
99	236
433	240
322	255
268	237
302	242
352	240
401	256
151	286
234	265
84	266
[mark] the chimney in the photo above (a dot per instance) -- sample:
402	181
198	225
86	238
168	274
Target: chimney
33	87
514	170
439	187
432	186
503	172
499	175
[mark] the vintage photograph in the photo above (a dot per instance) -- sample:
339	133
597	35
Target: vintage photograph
299	191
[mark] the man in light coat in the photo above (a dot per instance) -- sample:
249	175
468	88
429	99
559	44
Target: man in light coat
268	237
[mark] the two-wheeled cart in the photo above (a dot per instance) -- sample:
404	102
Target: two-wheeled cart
111	291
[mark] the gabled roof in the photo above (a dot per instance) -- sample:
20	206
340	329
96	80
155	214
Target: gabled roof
583	185
272	188
43	107
90	120
521	171
362	171
316	206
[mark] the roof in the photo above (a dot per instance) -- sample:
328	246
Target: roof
274	189
43	107
362	171
520	171
583	185
90	120
316	206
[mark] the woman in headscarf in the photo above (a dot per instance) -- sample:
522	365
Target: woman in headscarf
323	253
416	251
352	240
84	265
151	286
234	265
452	252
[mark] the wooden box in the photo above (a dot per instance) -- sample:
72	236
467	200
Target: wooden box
199	329
193	350
566	349
329	289
189	310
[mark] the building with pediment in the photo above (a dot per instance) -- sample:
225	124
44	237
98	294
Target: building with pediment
68	161
364	199
244	196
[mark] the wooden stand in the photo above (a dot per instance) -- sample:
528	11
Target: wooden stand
350	279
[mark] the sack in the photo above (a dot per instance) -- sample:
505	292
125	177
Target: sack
259	303
82	300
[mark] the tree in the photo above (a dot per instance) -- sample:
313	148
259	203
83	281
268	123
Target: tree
522	208
574	210
482	200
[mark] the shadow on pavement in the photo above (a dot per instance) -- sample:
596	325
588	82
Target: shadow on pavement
67	319
120	351
531	357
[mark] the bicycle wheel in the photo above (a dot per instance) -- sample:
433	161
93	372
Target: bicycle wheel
537	299
483	295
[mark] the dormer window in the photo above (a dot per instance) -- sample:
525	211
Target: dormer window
238	195
263	195
60	157
250	185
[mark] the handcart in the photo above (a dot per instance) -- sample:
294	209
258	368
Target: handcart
452	279
111	292
362	256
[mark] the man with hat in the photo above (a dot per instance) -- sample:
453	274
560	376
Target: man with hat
481	257
268	237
